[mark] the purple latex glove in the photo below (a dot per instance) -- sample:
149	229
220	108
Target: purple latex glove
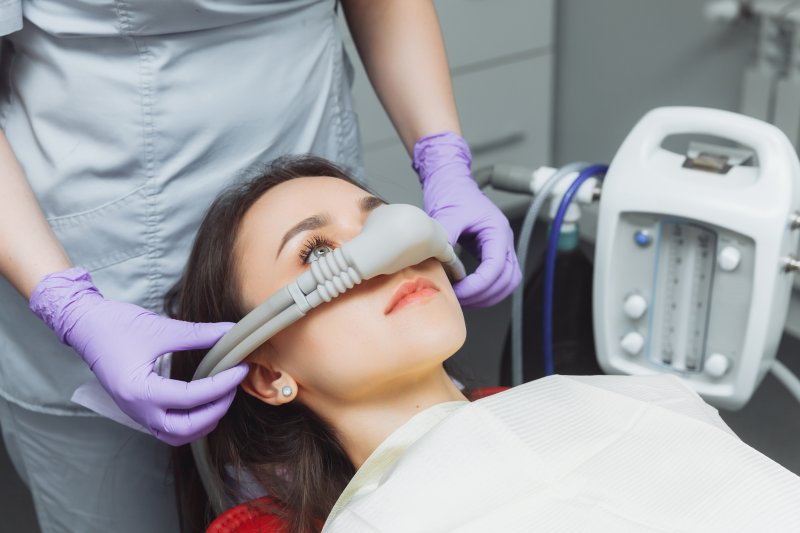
121	342
452	197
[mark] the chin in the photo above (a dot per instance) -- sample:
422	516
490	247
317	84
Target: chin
440	338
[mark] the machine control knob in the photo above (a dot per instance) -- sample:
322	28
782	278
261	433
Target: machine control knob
632	343
635	306
729	258
642	238
717	365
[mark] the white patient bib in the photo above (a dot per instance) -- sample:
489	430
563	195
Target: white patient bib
573	454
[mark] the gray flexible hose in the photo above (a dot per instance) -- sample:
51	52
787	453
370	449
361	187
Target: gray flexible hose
523	243
279	322
254	320
216	494
393	237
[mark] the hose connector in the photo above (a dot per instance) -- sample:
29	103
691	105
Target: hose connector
794	221
791	264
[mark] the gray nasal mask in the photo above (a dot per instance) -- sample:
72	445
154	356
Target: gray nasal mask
394	237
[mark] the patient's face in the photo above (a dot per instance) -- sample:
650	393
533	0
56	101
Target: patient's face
350	348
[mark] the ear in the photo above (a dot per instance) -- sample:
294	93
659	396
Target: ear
266	382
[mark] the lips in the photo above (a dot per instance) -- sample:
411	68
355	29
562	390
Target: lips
410	292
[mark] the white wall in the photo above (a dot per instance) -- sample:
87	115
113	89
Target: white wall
616	59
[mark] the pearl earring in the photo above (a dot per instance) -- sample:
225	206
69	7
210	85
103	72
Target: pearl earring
286	391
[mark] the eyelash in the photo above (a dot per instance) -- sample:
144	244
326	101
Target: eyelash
310	244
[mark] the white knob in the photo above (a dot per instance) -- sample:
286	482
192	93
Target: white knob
635	306
716	365
632	343
729	258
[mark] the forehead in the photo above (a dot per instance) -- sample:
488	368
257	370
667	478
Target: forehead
286	204
301	197
272	215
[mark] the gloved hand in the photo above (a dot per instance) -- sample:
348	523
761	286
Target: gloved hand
452	197
121	342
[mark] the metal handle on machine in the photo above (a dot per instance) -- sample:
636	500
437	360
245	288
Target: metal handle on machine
765	139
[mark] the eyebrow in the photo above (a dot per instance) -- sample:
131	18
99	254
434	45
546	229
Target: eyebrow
320	220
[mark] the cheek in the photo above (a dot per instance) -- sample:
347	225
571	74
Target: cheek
333	343
432	331
348	345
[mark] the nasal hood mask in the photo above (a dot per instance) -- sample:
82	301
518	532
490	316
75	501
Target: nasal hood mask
394	237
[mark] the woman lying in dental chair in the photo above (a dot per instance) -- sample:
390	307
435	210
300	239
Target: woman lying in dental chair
348	419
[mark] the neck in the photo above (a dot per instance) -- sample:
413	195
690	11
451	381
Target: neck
362	426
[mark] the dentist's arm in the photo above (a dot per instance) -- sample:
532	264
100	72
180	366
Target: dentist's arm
28	248
400	44
120	342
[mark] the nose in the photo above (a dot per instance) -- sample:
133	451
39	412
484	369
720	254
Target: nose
418	269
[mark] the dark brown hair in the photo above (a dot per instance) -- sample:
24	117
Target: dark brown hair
291	453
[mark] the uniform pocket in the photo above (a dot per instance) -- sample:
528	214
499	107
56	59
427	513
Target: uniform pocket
105	235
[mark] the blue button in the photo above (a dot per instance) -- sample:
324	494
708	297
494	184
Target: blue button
643	238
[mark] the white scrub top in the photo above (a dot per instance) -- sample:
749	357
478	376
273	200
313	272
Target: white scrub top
129	116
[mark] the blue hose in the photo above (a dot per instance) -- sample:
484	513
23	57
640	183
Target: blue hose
550	261
523	245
